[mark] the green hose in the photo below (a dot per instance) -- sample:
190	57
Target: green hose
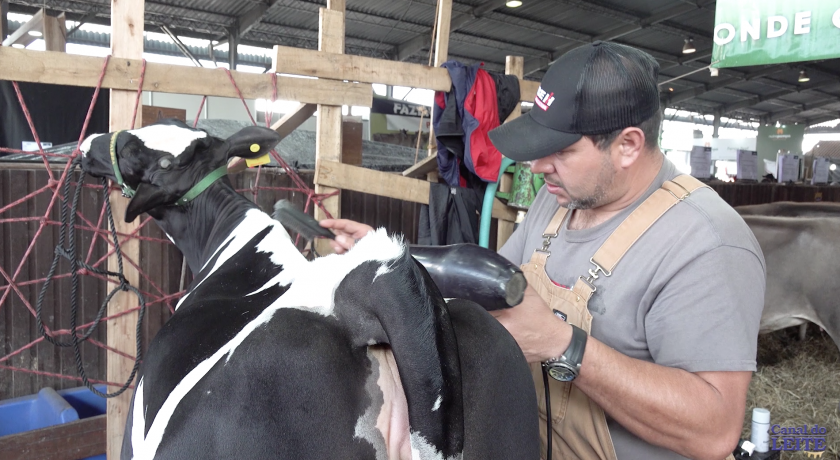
487	205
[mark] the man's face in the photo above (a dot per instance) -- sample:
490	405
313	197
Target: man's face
580	176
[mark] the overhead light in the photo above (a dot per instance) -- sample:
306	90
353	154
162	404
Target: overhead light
689	48
671	89
713	71
803	77
513	3
35	33
18	45
215	42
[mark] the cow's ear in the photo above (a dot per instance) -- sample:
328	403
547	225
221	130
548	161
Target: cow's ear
252	142
147	198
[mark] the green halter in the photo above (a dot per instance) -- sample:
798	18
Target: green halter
127	191
202	185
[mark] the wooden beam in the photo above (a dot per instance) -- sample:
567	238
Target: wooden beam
443	21
513	66
4	19
21	35
55	28
292	120
527	89
423	167
328	134
126	43
123	73
299	61
391	185
68	441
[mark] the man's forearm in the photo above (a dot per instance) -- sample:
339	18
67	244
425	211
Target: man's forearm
669	407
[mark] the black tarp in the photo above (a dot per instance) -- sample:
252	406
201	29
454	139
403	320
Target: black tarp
58	113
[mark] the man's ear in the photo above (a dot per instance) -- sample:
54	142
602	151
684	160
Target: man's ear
147	198
252	142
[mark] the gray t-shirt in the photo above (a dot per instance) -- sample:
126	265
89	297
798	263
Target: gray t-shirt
688	294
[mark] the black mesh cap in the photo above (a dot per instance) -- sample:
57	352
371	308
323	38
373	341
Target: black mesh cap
594	89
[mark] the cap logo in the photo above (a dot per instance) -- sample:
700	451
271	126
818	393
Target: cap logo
543	99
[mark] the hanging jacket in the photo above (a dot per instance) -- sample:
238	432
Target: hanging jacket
477	102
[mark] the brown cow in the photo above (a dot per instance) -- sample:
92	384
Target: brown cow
801	256
791	209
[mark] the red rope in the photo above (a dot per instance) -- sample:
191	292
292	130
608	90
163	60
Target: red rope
139	94
157	296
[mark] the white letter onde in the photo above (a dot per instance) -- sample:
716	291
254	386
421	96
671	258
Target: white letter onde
751	28
731	29
802	23
772	31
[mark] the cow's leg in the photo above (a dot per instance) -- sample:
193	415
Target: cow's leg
501	419
803	332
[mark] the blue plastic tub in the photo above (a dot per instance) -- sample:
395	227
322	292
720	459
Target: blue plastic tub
48	408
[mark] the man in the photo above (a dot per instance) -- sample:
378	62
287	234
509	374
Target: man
649	358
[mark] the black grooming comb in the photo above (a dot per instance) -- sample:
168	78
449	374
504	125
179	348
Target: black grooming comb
297	221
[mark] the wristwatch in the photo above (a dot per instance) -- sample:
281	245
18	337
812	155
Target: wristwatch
567	366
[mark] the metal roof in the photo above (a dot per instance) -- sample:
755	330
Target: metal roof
487	31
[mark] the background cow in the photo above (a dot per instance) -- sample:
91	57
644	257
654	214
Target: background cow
271	356
801	255
791	209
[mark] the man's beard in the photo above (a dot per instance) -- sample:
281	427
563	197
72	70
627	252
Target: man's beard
605	178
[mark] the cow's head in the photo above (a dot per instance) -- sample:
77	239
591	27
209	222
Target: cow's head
163	161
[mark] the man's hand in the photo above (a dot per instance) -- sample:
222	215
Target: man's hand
539	333
346	233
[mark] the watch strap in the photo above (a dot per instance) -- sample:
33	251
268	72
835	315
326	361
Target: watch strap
574	354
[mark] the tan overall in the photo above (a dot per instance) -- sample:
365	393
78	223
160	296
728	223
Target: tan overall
580	427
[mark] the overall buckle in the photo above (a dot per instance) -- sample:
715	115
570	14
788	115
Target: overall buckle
546	243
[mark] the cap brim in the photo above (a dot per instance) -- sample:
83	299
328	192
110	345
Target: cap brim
523	139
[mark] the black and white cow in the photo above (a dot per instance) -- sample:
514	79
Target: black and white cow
269	355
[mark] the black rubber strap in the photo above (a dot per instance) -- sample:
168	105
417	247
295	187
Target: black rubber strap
574	354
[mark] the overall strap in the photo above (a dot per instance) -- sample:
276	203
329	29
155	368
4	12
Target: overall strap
636	224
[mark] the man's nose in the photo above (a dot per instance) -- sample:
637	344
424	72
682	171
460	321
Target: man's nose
541	166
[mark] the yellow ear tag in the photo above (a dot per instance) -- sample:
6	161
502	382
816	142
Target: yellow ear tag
257	161
255	148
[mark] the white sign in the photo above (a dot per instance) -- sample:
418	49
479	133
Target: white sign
788	167
727	149
747	165
32	146
820	168
701	162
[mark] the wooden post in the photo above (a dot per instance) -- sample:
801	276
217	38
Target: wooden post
4	19
126	42
513	66
443	18
328	131
55	31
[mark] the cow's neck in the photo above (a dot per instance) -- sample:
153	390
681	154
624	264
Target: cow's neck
202	226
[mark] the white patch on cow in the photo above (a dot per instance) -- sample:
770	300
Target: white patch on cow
313	284
437	403
312	288
138	420
167	138
85	147
383	269
277	243
421	449
366	425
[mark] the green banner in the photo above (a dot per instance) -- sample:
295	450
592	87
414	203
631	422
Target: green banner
756	32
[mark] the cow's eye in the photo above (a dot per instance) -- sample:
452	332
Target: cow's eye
165	163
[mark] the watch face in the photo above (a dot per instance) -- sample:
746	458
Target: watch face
561	373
